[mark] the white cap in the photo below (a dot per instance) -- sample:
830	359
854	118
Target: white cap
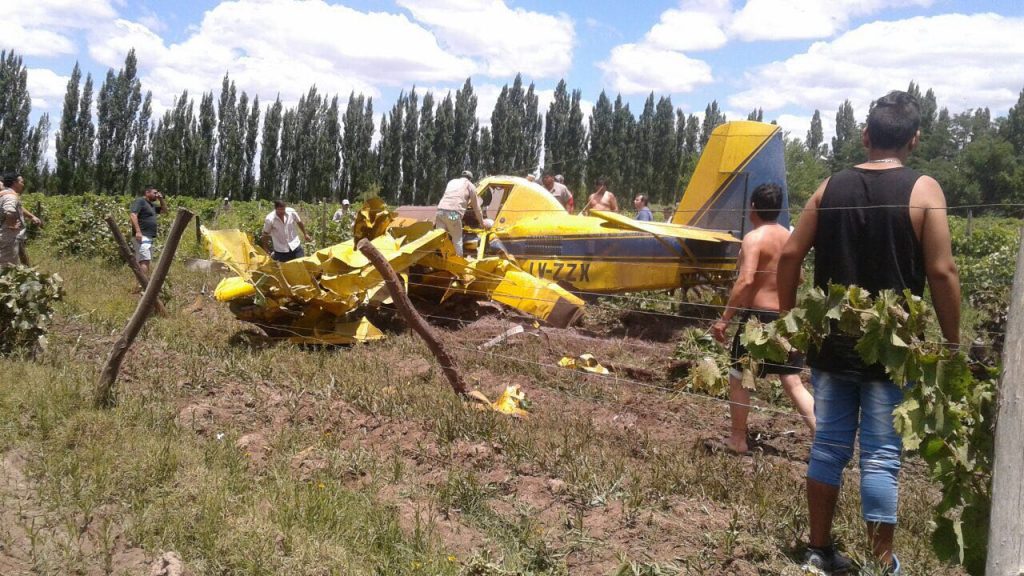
345	201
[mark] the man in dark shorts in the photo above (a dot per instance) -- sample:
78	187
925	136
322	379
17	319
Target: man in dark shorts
755	295
144	224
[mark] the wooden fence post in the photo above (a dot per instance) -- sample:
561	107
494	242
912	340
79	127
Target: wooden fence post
104	396
412	317
1005	535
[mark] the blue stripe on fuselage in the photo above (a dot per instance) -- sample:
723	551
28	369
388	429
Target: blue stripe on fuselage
639	245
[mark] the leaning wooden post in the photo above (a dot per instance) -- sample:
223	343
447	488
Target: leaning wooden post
412	317
104	395
1005	534
133	265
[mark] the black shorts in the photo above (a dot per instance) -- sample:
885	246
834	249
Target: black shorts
792	366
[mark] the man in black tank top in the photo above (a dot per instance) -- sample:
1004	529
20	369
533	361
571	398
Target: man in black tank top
878	225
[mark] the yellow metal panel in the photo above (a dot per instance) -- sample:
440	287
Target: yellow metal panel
731	145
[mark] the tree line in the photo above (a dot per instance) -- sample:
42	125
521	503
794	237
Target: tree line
228	145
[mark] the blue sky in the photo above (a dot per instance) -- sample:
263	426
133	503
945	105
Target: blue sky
788	56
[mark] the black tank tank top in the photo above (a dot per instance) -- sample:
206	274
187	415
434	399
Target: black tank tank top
865	237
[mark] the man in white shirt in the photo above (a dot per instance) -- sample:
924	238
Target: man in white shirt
459	195
282	227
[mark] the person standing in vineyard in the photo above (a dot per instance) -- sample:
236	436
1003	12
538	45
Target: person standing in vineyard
12	219
755	295
878	225
144	224
282	227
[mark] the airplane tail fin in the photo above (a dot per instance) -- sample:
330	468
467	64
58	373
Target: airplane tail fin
739	157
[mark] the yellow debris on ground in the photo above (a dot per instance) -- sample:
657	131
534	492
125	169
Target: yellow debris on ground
585	362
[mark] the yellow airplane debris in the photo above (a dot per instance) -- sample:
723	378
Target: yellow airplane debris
321	298
585	362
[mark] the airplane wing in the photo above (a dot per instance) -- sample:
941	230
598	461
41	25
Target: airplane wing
663	228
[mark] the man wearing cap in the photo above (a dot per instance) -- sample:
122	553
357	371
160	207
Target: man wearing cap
339	214
458	196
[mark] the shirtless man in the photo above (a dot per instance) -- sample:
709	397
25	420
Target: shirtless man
755	295
601	199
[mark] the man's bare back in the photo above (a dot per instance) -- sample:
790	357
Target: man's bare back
769	240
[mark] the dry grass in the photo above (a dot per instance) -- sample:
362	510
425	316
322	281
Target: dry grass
273	459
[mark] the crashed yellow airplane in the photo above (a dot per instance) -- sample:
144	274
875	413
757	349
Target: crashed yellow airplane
607	252
533	252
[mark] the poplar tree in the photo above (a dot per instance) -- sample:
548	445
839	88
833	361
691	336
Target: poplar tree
623	134
15	107
444	134
713	118
205	161
68	135
141	152
1012	129
227	138
84	161
251	133
270	159
815	135
426	170
665	153
516	130
641	179
410	148
389	151
846	144
463	123
329	150
688	134
565	138
118	107
287	155
357	162
601	155
756	115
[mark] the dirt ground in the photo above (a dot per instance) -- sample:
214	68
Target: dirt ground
641	368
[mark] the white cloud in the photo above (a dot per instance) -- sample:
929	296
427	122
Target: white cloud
710	24
978	62
283	46
641	68
507	40
699	27
42	27
804	19
47	89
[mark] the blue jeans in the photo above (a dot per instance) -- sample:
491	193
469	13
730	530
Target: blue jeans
841	401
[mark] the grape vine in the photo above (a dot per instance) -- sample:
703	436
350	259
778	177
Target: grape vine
948	412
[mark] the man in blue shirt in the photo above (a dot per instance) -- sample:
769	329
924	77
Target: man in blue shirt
643	213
